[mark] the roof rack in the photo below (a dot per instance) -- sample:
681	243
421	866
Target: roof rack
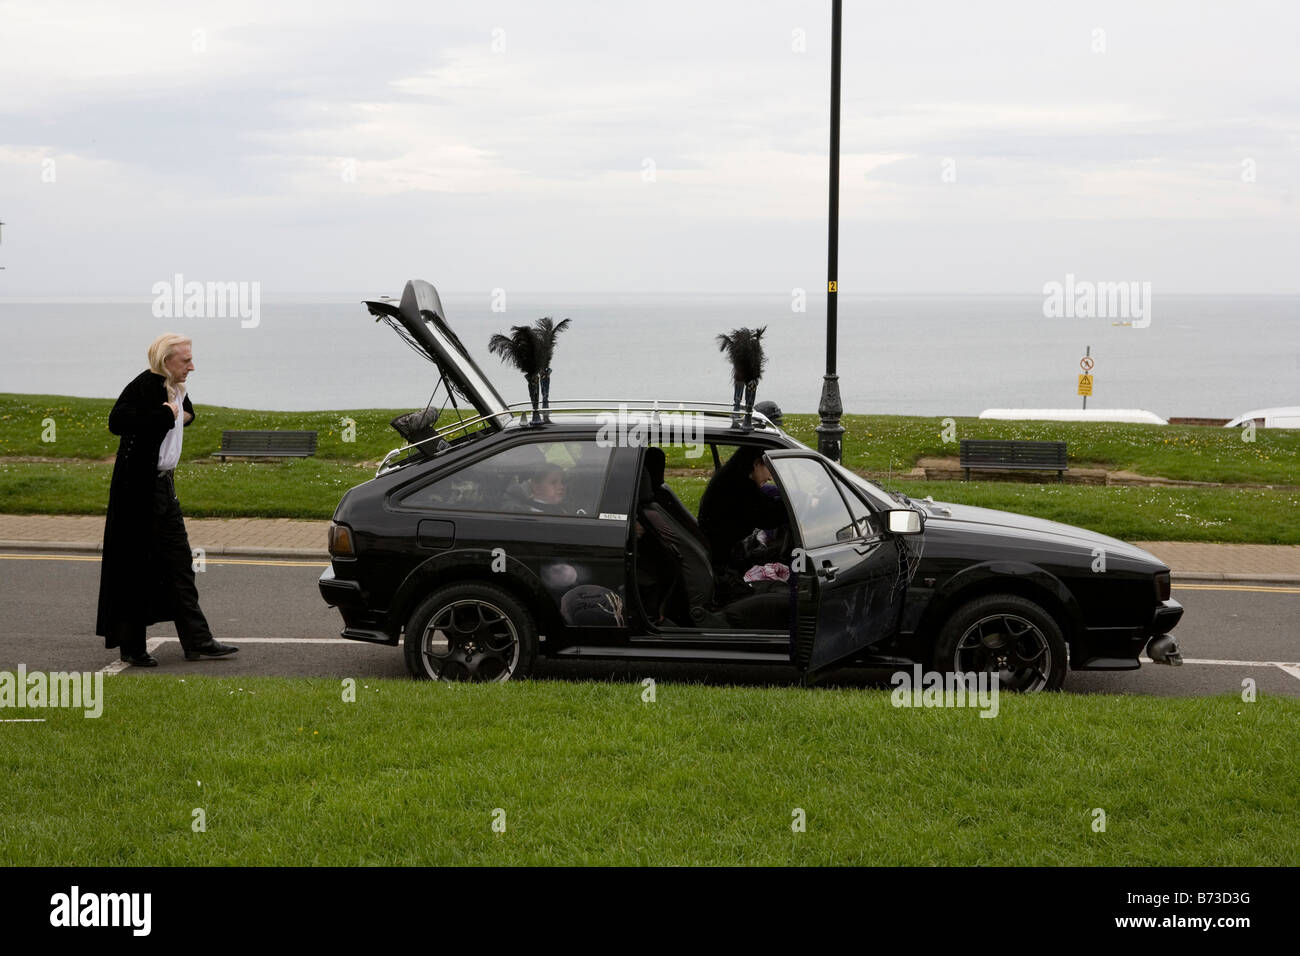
652	407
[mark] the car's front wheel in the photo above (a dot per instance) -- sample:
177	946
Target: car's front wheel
1005	634
470	632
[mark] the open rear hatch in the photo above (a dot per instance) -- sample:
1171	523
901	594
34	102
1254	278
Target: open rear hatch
421	322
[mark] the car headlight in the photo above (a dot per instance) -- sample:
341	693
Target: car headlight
1163	586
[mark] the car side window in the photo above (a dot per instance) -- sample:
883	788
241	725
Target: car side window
556	478
816	502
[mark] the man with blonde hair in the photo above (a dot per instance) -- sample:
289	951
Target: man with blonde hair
146	575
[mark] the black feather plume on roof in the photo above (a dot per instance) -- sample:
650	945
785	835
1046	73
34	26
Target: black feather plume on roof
744	348
519	348
546	330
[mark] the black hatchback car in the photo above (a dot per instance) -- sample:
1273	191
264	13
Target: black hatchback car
483	544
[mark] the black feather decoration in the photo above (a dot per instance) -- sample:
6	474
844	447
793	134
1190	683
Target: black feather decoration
546	331
519	348
744	348
530	350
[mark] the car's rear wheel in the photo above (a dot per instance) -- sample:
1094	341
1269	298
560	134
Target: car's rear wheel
470	632
1004	634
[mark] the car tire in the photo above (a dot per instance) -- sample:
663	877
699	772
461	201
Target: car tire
1007	633
470	632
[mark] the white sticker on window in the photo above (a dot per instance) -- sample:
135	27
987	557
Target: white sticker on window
606	516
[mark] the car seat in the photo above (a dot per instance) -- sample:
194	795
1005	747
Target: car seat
695	571
655	464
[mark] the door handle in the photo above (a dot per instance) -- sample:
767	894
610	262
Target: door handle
827	571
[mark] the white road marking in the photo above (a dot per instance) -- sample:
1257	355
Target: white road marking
1292	669
1260	589
155	642
1287	667
269	640
94	557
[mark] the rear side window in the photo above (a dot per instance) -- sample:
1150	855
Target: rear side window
556	478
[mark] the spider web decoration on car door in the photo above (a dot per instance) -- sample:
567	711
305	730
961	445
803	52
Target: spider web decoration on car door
910	548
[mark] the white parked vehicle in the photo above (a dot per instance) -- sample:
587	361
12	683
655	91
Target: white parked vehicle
1286	416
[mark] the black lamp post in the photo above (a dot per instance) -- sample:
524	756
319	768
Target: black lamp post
830	430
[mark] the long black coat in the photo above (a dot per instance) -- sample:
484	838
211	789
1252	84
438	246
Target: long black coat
129	589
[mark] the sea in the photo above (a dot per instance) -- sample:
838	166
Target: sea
1200	356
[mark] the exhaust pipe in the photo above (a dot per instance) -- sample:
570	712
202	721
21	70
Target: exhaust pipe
1163	649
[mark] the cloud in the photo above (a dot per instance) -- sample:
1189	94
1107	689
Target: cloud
280	140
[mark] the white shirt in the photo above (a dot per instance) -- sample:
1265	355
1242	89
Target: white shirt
169	452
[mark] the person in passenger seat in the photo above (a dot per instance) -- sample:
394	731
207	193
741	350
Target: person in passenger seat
543	493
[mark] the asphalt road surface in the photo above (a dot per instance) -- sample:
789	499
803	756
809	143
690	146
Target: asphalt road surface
273	611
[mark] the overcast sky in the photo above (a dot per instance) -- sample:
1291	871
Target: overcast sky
345	147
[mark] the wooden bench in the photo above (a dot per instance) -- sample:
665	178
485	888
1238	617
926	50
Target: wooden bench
266	444
1014	456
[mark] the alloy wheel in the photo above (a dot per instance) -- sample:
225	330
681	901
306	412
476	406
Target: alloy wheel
1011	646
470	640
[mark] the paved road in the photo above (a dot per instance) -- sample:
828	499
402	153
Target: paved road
273	610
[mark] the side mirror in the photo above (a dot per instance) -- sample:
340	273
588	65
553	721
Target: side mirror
904	521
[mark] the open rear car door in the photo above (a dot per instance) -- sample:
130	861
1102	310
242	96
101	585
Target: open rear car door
852	572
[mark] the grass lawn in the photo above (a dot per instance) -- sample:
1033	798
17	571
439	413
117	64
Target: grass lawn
298	488
871	442
587	773
1242	515
311	488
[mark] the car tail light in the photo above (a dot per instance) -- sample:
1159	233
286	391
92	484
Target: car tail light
341	541
1162	586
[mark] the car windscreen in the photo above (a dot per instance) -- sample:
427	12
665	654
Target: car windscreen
876	496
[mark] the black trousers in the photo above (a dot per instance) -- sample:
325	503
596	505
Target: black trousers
175	569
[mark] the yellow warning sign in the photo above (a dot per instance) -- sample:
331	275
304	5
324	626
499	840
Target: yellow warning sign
831	286
1085	384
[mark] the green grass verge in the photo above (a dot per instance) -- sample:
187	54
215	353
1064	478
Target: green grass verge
871	442
587	773
1238	515
81	428
311	488
1241	515
302	488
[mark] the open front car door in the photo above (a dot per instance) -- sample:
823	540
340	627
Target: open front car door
852	571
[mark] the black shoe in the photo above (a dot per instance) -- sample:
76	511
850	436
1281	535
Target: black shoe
140	660
209	649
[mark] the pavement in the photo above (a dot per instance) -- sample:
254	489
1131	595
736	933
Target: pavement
1192	562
